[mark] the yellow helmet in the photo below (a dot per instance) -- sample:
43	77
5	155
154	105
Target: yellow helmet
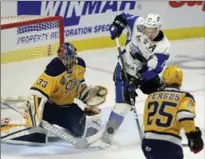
172	76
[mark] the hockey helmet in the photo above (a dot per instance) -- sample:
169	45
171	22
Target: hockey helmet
67	54
152	25
172	76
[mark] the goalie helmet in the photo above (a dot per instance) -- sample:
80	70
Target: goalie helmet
68	56
172	76
152	25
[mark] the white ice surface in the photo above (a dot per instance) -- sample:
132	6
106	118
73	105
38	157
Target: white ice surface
17	78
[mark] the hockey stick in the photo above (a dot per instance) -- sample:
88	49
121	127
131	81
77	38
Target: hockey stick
75	141
8	105
131	99
127	80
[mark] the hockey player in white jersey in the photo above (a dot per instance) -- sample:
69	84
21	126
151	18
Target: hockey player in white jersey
145	54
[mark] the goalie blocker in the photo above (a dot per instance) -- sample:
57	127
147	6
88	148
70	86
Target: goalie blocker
52	99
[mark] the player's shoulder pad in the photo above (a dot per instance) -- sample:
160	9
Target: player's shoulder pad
81	62
55	67
139	23
189	95
139	20
163	46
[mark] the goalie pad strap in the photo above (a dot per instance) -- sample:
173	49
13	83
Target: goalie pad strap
84	94
93	125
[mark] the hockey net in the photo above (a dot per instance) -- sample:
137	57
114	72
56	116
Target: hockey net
27	44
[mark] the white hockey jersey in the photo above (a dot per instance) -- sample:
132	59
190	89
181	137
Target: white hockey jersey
139	49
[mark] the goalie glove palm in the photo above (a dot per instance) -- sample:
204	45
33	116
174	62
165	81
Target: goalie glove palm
94	96
97	96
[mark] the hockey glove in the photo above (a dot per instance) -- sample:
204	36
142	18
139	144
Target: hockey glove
132	86
117	27
92	110
144	68
93	96
195	141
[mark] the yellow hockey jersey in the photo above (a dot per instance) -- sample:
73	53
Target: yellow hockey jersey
58	85
166	112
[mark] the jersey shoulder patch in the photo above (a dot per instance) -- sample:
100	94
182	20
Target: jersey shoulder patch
55	68
81	62
189	95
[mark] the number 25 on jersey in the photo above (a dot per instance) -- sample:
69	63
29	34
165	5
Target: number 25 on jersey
158	114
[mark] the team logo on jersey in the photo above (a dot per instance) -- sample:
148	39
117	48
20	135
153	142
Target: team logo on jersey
71	84
189	106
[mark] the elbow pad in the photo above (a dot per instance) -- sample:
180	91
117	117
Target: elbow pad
152	62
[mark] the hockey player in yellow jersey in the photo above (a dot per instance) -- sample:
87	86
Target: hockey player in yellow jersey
166	112
52	97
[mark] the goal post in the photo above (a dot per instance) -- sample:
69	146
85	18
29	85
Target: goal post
25	40
21	33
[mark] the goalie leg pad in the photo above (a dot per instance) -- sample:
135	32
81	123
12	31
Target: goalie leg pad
35	106
22	135
93	125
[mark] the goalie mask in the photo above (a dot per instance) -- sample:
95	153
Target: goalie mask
68	56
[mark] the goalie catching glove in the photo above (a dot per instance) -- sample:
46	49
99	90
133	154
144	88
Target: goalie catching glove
92	96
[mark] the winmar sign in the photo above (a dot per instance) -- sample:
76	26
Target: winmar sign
72	11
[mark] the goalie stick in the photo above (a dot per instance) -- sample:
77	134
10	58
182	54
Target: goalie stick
75	141
127	80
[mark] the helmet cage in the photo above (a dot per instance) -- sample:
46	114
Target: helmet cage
68	56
